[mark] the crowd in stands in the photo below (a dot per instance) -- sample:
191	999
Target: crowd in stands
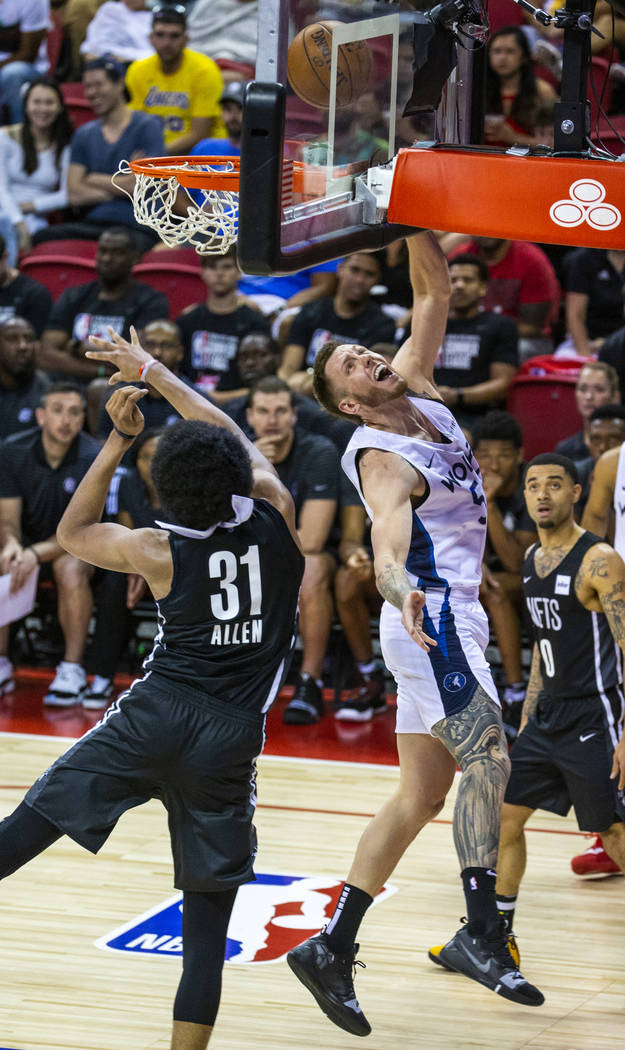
160	82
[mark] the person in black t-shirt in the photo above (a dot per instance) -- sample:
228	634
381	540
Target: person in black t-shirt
350	317
21	387
595	279
21	295
308	466
479	355
212	331
39	470
498	447
115	300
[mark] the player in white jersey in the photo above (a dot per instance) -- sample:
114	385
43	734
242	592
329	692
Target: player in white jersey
422	488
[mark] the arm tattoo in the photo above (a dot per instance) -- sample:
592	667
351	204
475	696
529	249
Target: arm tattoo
475	738
534	687
393	584
614	607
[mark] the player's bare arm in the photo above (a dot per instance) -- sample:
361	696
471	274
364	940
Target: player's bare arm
597	511
534	688
130	359
106	544
431	290
600	585
389	483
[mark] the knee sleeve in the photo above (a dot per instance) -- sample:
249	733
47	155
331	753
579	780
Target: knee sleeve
23	835
205	918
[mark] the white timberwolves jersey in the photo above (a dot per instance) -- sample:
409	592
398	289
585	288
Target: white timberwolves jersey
449	527
619	505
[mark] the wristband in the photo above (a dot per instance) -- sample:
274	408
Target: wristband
126	437
36	555
459	398
145	366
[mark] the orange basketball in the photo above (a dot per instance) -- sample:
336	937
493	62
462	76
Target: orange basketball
309	64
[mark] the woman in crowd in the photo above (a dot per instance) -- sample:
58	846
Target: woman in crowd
34	157
514	94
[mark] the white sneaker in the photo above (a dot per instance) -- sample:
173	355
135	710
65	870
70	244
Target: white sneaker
67	689
7	685
98	699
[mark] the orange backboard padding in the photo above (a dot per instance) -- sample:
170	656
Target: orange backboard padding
555	200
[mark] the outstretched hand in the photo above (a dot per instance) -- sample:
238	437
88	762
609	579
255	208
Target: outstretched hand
412	619
127	357
124	411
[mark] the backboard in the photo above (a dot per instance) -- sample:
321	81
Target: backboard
303	192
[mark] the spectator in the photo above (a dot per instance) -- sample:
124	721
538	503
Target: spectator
498	447
606	430
231	102
21	387
522	284
597	384
132	501
350	317
76	16
513	92
34	160
595	278
309	467
97	148
612	353
39	471
114	300
181	87
479	357
23	50
21	295
211	331
162	339
258	356
227	30
119	30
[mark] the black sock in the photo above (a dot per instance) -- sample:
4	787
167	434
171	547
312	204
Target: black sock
506	907
479	892
342	928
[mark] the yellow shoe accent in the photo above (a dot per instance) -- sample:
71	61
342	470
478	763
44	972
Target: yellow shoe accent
513	948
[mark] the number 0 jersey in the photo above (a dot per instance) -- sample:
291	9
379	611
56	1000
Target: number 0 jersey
578	655
228	624
449	526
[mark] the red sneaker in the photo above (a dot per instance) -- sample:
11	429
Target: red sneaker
594	862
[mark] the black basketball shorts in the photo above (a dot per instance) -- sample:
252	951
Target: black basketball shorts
162	740
563	758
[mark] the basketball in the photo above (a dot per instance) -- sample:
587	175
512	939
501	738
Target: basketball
309	64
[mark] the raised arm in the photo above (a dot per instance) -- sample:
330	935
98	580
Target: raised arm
388	483
429	277
132	362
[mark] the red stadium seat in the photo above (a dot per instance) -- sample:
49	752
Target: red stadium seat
161	255
69	249
182	284
58	271
544	405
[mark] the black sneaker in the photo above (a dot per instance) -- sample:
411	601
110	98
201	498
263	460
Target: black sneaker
329	977
367	700
488	960
306	706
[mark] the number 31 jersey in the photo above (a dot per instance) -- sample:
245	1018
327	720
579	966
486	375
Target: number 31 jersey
228	625
578	655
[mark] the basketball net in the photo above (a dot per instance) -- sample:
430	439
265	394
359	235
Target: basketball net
182	203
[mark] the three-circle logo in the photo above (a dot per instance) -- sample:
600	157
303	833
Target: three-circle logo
586	204
454	682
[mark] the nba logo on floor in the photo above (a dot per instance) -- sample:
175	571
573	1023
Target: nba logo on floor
271	916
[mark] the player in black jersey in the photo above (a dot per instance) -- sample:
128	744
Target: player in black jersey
568	751
225	571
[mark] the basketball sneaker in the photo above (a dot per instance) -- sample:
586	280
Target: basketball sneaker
68	687
434	954
488	961
594	862
306	706
98	696
367	700
7	685
329	977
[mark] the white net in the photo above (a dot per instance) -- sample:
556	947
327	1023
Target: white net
204	219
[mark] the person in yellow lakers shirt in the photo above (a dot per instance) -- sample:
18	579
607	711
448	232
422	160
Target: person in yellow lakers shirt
180	86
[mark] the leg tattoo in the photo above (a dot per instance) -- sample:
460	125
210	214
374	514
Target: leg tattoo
476	739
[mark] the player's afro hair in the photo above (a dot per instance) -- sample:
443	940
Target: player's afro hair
196	470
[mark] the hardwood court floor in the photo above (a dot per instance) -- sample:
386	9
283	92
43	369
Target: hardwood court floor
59	992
